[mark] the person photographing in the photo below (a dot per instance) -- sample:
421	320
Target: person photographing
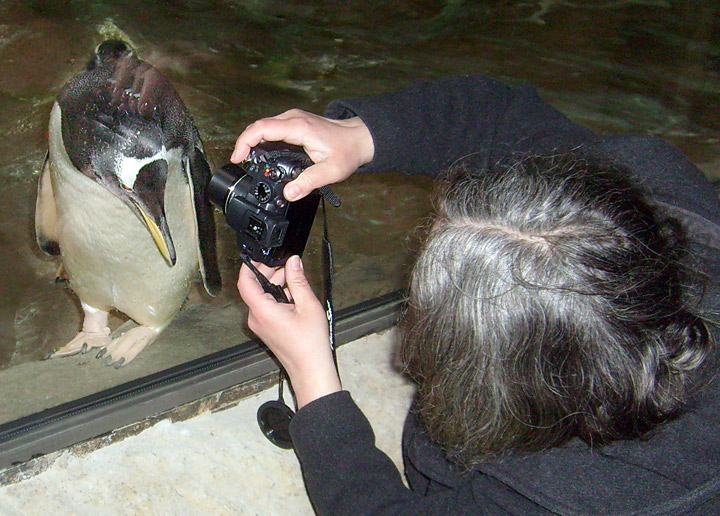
559	325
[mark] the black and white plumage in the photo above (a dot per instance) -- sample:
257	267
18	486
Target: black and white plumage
122	199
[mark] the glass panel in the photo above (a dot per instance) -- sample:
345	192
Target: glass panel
636	66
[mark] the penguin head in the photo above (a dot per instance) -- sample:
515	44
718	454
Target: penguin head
108	52
146	198
124	152
128	158
126	155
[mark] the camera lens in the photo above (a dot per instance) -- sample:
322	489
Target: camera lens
221	182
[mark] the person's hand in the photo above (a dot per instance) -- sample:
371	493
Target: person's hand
338	147
296	333
138	87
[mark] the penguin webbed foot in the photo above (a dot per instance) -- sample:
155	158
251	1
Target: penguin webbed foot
125	348
82	343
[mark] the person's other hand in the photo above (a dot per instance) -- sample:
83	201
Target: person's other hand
296	333
140	88
338	147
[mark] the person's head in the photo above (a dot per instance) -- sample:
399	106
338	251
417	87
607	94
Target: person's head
548	302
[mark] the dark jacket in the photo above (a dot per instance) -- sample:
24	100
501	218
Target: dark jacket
423	130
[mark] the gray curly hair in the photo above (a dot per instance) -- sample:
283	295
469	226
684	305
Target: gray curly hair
548	302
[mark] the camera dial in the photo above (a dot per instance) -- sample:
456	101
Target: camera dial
263	192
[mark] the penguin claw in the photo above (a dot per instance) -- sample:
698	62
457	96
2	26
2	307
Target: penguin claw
101	353
83	342
61	276
49	354
119	363
107	360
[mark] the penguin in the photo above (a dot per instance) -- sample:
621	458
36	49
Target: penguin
122	200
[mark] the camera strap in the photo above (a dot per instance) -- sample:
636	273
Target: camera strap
274	417
271	288
328	269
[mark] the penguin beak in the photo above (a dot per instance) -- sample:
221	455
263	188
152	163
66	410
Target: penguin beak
147	200
161	237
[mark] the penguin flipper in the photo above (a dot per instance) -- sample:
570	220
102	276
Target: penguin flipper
46	212
198	173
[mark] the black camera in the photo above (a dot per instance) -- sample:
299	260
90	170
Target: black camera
269	228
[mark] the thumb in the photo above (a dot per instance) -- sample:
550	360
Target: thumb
312	177
297	283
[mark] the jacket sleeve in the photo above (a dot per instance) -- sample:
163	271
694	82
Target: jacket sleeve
662	169
428	126
344	472
478	120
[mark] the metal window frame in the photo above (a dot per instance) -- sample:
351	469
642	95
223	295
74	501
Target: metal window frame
73	422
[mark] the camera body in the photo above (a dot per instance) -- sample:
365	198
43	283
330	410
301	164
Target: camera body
269	228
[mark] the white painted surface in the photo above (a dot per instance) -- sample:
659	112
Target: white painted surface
214	464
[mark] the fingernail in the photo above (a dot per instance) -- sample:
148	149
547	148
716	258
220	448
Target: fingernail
296	263
292	191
